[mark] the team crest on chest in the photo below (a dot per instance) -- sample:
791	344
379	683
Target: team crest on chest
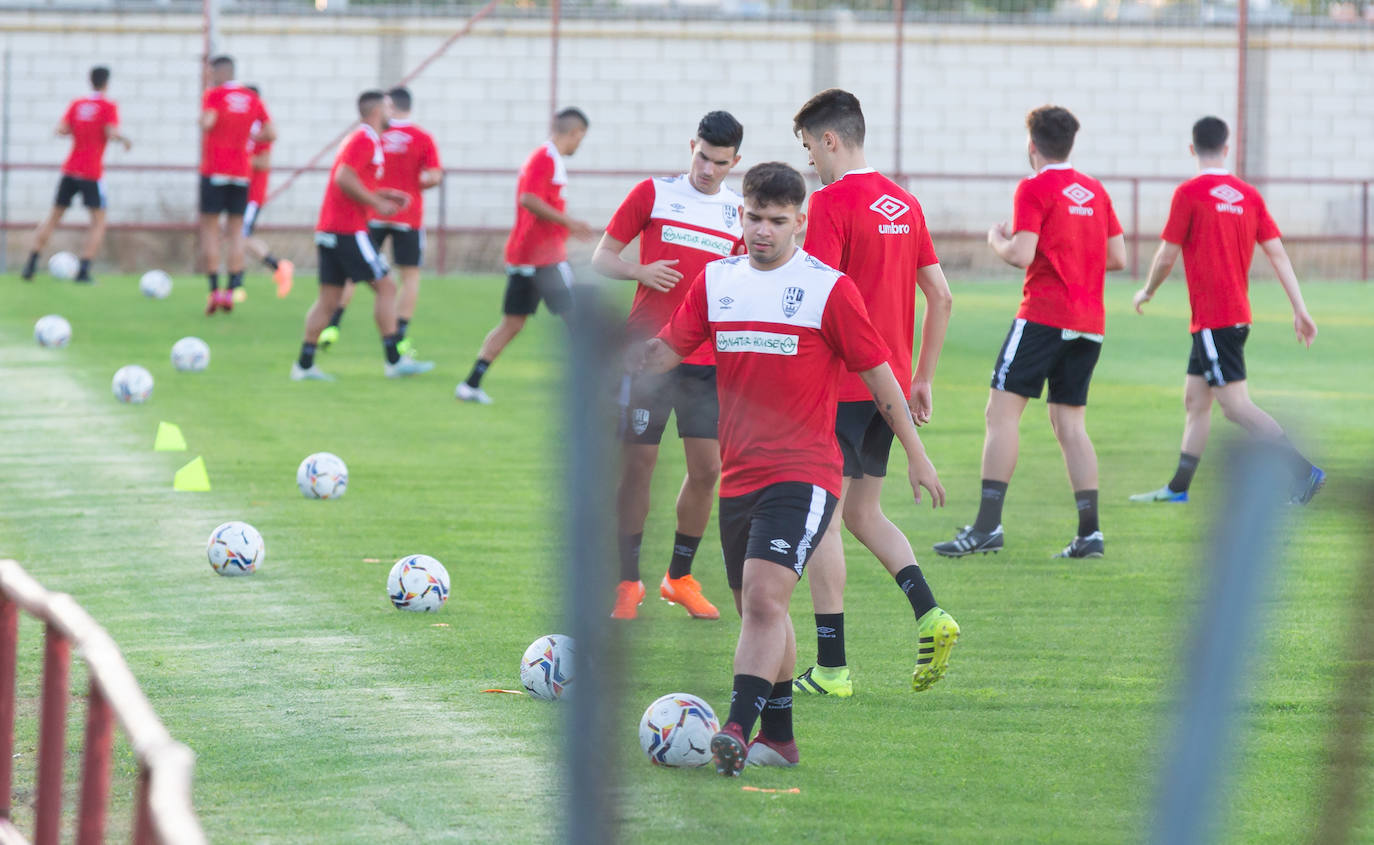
791	301
731	215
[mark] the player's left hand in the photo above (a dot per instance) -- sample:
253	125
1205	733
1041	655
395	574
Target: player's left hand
999	232
1305	328
401	198
1141	297
922	404
921	473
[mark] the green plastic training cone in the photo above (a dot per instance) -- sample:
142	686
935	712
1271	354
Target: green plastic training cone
169	438
192	477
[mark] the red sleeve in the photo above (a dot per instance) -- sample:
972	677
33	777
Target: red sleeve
359	152
846	327
1028	212
633	215
262	113
824	235
1180	218
112	115
925	252
690	324
537	177
1268	229
67	115
429	159
209	102
1113	224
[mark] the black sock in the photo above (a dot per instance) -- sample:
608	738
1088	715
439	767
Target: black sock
307	359
31	266
214	281
475	380
1302	467
401	323
1183	476
830	640
747	701
629	556
337	318
236	280
85	270
913	583
270	260
684	549
1087	511
990	507
776	723
389	346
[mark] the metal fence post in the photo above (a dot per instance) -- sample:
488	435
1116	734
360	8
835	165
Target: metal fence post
95	768
52	732
9	641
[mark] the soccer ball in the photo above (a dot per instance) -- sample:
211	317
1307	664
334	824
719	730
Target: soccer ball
133	384
546	670
235	548
676	730
52	331
190	355
155	284
323	475
64	265
418	583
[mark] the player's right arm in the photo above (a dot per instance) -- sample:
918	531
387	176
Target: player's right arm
535	204
891	402
686	330
352	185
934	325
1303	324
1160	268
658	275
262	160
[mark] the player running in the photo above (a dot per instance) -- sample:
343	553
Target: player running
345	252
260	159
1066	235
536	253
867	227
91	121
682	222
1214	223
784	327
229	113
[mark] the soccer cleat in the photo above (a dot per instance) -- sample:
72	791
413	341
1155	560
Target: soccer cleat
328	337
283	275
406	347
729	751
936	633
1163	494
84	279
824	680
314	373
1316	480
968	541
687	592
225	299
1083	547
468	393
766	752
408	366
629	595
212	303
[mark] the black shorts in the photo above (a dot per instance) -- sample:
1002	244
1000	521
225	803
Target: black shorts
1219	355
250	218
865	439
646	400
91	191
348	257
526	286
407	244
779	523
1034	352
222	195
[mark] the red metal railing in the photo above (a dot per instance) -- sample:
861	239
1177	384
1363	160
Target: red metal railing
162	800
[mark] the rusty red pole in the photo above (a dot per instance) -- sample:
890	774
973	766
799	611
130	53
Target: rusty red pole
9	640
443	227
899	12
52	730
555	24
1242	61
143	814
95	768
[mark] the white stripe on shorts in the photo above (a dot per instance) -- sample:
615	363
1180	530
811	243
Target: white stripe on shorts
565	269
813	524
1013	341
1210	345
375	261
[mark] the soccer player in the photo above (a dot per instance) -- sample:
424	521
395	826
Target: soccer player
784	326
1214	223
1066	235
867	227
229	111
260	158
345	251
536	253
91	121
682	222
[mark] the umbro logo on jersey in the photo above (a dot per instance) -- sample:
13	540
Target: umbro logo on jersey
238	102
890	207
1080	196
1229	197
791	301
780	546
813	261
725	303
677	207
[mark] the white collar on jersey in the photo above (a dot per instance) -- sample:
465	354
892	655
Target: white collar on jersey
861	171
1058	165
797	254
1214	171
560	170
686	179
371	133
96	95
399	122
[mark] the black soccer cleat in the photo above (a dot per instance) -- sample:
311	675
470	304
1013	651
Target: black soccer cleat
1303	493
968	541
1084	547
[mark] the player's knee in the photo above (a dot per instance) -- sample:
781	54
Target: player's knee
703	472
862	522
762	605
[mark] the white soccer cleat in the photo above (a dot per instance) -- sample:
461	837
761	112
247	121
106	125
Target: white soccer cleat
408	366
299	373
468	393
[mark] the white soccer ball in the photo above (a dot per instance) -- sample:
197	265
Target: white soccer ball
190	355
133	384
52	331
676	731
418	583
546	669
64	265
235	548
155	284
322	475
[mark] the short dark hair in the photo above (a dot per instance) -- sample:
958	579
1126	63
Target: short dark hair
400	97
221	60
564	121
833	110
1052	129
720	129
1209	135
100	77
774	183
369	100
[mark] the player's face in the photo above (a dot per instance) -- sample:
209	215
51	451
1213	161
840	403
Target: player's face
569	141
820	155
710	164
769	233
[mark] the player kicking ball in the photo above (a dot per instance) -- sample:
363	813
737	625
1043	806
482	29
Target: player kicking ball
785	327
1214	223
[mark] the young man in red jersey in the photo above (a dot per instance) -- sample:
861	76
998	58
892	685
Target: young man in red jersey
346	255
784	326
260	158
1215	221
536	253
1067	236
682	222
867	227
228	113
91	121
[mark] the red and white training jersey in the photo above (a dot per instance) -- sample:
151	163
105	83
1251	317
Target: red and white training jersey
673	220
409	151
1073	216
782	338
1218	219
362	151
534	242
87	118
257	185
224	148
864	225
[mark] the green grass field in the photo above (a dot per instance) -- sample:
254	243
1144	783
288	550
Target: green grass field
320	714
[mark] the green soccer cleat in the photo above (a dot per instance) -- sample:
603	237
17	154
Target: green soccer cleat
937	633
405	347
328	338
824	680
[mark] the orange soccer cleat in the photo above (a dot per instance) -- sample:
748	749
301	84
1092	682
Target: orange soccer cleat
629	595
283	275
687	592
